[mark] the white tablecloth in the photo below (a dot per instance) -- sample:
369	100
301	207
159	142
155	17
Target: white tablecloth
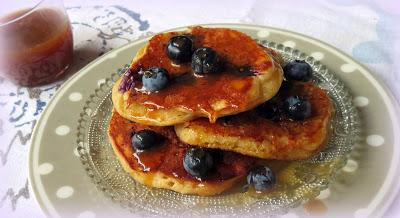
367	30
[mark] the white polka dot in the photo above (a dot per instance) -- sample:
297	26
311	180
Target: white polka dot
63	130
263	33
75	96
348	68
290	215
65	192
76	152
360	101
350	166
45	168
318	55
289	44
324	194
101	81
375	140
86	214
361	213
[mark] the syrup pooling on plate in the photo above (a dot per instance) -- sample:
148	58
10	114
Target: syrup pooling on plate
167	157
241	58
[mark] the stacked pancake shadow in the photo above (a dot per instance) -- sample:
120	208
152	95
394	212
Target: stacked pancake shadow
220	112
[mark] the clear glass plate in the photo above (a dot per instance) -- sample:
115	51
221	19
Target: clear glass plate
298	181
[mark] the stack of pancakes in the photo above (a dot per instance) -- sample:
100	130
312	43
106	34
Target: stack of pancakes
217	112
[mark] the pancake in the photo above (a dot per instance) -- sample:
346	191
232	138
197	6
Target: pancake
274	55
251	134
249	77
162	166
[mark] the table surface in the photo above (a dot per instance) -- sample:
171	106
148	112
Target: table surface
371	33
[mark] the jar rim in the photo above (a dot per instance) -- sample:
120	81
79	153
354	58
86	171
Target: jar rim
25	14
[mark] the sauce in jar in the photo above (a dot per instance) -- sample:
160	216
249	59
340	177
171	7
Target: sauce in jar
36	46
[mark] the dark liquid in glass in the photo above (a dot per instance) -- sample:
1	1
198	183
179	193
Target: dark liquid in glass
36	48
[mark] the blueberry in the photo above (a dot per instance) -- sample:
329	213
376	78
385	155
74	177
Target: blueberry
269	110
285	86
298	70
180	48
197	162
217	155
145	139
129	79
245	71
261	177
155	79
205	60
297	108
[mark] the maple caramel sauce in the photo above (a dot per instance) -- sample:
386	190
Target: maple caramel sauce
168	156
199	92
315	207
36	48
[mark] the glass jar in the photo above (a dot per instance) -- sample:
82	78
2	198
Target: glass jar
36	45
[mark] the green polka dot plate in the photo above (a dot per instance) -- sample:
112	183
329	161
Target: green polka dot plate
74	172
